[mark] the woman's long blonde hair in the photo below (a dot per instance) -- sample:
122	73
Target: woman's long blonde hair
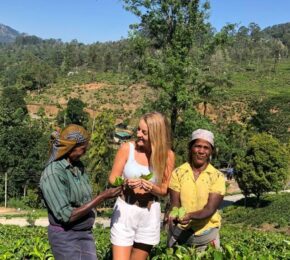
160	141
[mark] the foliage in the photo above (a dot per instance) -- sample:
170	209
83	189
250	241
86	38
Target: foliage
233	144
24	243
165	47
273	210
22	151
32	199
147	176
251	47
237	243
273	116
178	53
13	107
264	166
118	181
16	203
73	114
177	212
250	244
101	152
31	218
281	32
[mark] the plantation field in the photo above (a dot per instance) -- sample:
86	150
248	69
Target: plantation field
108	91
99	93
273	213
257	83
246	233
237	243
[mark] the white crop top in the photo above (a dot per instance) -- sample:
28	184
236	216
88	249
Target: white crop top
133	169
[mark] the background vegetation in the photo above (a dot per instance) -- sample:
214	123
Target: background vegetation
235	82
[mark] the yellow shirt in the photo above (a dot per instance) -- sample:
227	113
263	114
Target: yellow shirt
194	193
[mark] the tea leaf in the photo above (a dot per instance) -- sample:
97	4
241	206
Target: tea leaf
147	177
118	181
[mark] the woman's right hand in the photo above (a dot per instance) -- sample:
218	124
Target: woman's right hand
112	192
134	183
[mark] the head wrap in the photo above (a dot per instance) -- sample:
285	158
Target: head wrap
63	142
203	134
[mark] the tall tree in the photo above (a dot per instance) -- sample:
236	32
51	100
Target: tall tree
174	45
101	151
73	114
273	116
169	30
21	152
264	167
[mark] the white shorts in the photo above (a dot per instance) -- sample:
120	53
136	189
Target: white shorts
131	223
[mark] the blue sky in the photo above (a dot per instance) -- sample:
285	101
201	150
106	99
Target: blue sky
90	21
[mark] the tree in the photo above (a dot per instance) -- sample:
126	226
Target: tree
22	152
273	116
35	74
73	56
169	30
101	151
13	107
264	167
73	114
173	45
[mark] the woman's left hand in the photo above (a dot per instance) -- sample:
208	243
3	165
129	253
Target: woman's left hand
147	185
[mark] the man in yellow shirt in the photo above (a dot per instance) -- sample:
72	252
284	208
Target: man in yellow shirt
199	188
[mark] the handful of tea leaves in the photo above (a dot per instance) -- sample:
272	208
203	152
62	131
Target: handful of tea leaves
147	177
177	212
118	181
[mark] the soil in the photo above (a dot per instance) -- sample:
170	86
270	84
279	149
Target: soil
12	211
233	187
50	110
43	221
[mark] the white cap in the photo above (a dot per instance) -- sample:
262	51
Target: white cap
203	134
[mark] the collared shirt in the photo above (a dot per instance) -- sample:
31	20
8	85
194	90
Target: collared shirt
64	187
194	193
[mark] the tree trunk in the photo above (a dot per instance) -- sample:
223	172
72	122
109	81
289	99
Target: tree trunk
204	108
25	190
5	190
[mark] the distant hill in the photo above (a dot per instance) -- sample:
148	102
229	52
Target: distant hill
7	34
280	31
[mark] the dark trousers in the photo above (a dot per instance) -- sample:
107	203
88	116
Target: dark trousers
187	237
71	245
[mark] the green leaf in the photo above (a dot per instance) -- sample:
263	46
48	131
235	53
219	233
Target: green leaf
174	212
118	181
147	177
181	213
177	212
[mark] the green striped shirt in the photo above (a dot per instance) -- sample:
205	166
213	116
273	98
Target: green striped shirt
64	187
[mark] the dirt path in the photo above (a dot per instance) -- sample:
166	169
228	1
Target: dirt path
43	222
228	200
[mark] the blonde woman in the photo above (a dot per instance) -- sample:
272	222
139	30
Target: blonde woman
135	224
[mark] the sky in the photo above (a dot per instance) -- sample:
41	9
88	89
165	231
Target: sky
89	21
